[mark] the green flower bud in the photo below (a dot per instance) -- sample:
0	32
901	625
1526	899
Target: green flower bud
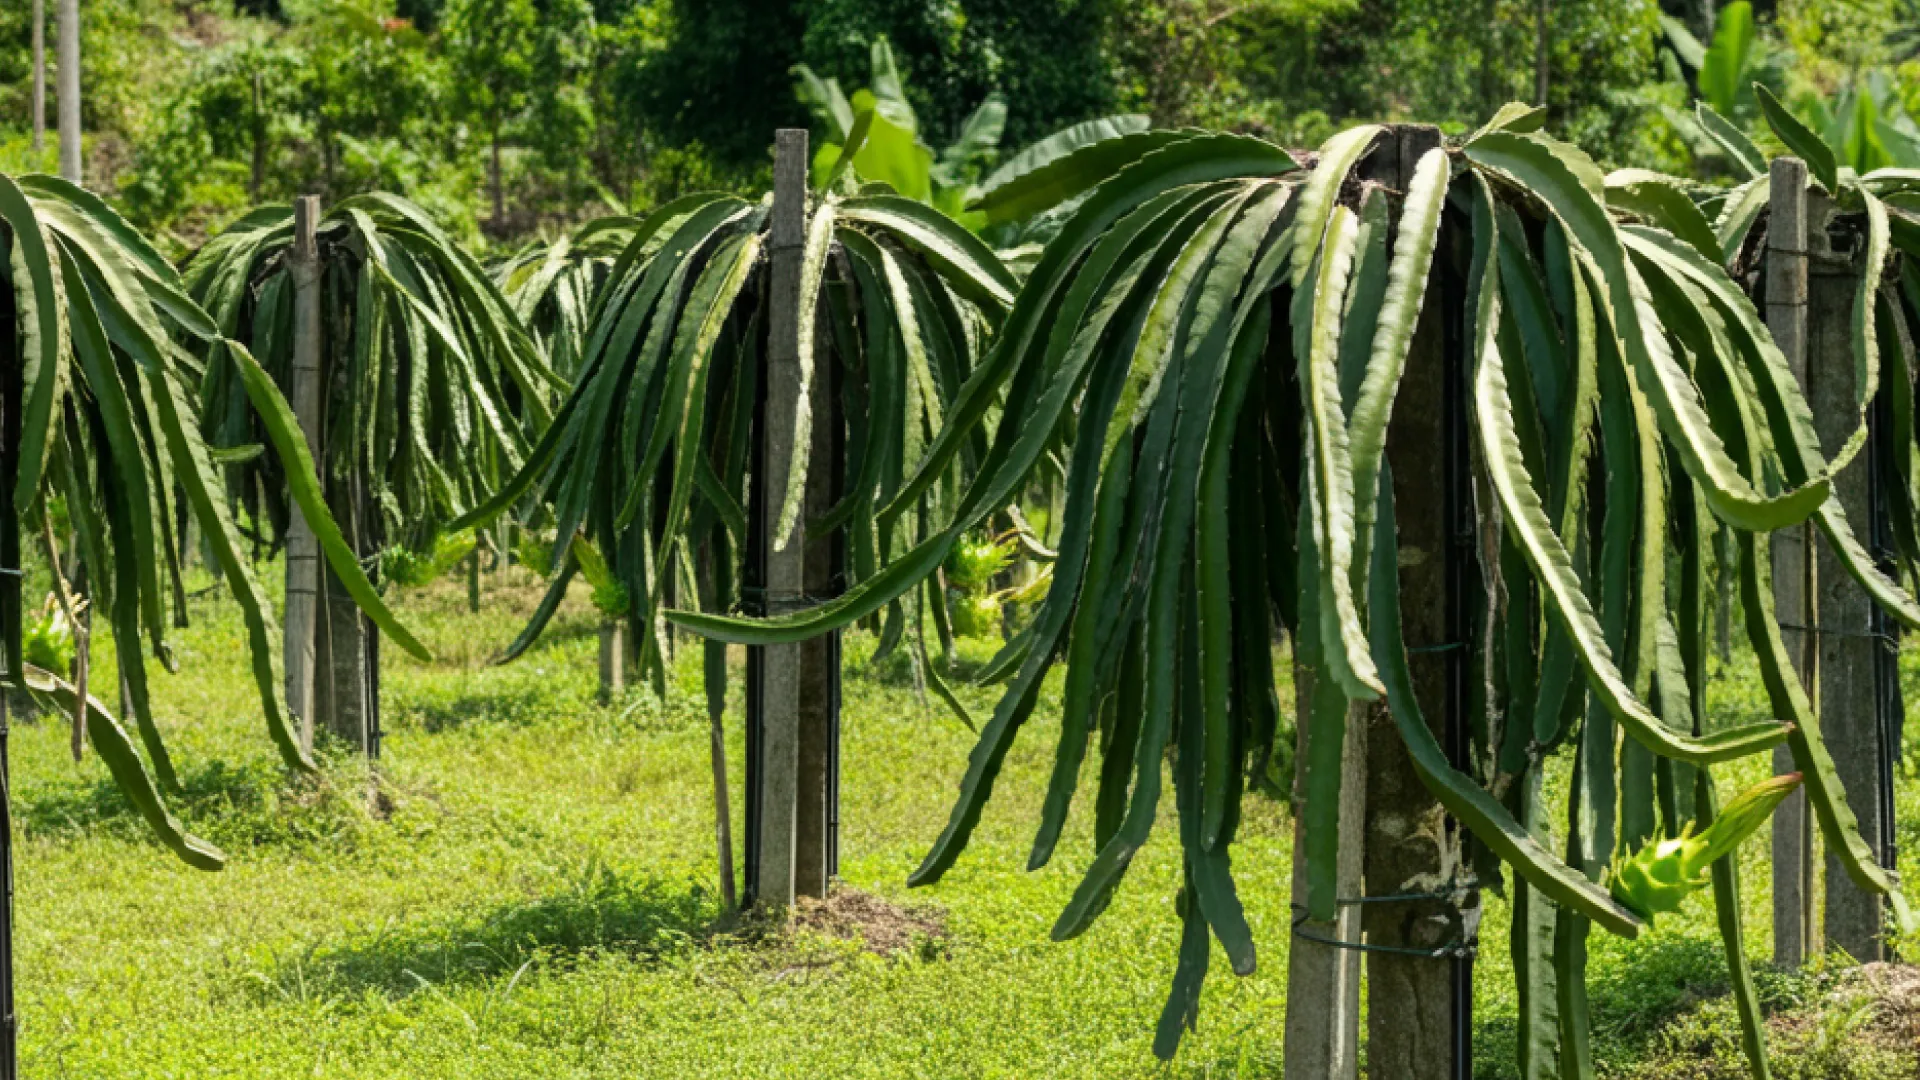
1665	872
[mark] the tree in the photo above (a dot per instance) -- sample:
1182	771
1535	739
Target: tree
719	78
515	63
644	468
436	384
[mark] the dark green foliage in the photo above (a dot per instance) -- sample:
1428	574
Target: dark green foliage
91	322
1613	371
431	384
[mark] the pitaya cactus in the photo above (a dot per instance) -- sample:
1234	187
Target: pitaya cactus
1665	872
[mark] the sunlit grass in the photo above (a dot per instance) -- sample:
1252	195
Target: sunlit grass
530	892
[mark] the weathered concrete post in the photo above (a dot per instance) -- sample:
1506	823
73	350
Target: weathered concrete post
346	648
344	645
1419	1008
1394	837
778	675
1795	935
613	659
1850	654
303	551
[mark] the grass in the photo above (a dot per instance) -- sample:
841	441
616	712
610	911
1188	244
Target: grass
531	893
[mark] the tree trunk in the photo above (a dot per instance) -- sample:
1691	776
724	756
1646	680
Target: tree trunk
1542	55
259	177
473	580
39	75
493	181
68	97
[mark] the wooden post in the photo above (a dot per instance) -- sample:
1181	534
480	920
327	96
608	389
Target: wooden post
1850	656
303	551
1419	1009
776	683
1795	935
67	98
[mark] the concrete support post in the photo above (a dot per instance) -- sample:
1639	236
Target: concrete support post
303	551
1419	1009
779	666
1795	935
1851	657
1395	837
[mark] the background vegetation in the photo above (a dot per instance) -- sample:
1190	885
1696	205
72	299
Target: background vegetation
508	118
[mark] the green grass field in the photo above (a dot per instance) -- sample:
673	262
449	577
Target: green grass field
527	889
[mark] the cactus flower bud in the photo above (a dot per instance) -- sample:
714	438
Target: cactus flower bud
1665	872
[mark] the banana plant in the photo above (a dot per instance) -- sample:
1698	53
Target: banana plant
435	384
99	404
1225	326
877	131
551	287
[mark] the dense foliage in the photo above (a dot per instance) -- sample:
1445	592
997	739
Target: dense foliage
101	406
646	459
431	384
519	116
1228	330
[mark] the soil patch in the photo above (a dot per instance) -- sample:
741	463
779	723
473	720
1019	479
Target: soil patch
879	925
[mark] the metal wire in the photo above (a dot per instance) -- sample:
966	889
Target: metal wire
1459	949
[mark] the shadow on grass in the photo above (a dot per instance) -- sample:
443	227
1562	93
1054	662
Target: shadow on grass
234	807
604	914
434	713
212	787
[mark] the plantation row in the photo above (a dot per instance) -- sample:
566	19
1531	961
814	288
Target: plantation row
1186	364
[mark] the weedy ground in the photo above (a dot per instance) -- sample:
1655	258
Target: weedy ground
525	887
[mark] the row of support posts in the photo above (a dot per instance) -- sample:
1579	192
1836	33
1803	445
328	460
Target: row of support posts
1395	838
1843	647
